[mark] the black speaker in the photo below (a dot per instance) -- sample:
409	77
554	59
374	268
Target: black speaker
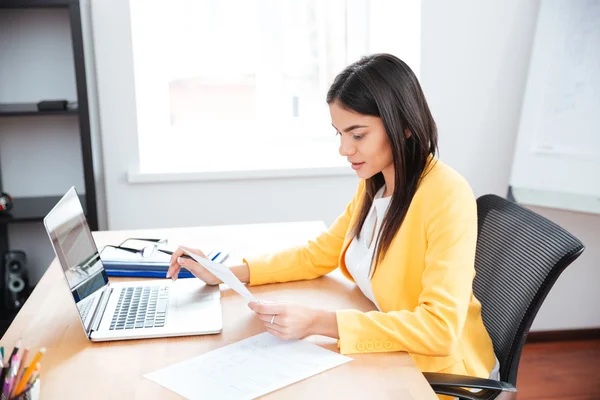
16	279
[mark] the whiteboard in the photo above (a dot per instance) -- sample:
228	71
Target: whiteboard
557	153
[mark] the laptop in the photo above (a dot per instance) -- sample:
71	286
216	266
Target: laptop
149	308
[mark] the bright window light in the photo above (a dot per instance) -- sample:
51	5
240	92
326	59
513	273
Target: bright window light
232	85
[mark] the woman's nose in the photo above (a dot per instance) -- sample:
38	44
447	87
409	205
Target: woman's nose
346	148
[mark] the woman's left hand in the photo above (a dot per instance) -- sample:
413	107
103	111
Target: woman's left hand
287	321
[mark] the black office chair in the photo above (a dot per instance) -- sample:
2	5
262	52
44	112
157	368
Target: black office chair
519	256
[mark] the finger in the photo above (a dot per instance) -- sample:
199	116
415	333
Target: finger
189	250
282	333
173	271
187	263
275	333
267	318
181	262
269	308
181	252
276	328
176	254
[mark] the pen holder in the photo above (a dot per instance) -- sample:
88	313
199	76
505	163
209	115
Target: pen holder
31	393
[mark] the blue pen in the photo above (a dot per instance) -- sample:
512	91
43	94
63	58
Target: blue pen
186	256
212	258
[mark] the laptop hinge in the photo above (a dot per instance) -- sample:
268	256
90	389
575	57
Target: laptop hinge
99	312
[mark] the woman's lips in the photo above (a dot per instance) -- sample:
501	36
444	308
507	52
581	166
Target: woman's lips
356	166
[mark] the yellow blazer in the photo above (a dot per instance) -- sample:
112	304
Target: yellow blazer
423	285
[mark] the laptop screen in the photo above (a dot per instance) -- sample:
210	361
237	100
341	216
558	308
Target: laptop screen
77	253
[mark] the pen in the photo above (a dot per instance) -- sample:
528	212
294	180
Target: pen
213	258
7	372
27	388
220	257
20	372
171	253
10	381
3	377
14	352
29	371
35	376
29	384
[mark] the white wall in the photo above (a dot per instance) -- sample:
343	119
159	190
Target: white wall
574	301
474	63
475	59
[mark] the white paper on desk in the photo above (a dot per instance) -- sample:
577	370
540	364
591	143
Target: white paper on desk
223	273
247	369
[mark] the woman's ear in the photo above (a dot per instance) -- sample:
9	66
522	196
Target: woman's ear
407	133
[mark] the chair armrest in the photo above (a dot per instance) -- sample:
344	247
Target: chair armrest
458	385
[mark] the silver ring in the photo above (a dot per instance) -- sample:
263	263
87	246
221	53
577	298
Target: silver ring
273	320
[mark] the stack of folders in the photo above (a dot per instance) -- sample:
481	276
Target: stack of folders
19	379
123	263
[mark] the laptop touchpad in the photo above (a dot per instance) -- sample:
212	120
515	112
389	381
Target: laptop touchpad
192	295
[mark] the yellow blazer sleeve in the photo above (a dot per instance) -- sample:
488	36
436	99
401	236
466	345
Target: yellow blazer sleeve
318	257
434	327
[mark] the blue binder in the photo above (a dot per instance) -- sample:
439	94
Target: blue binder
155	268
139	273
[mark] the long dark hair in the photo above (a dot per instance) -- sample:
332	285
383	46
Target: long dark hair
382	85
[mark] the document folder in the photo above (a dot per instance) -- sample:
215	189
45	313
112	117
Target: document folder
141	273
122	263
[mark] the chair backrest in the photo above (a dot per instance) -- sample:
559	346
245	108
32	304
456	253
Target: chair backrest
519	256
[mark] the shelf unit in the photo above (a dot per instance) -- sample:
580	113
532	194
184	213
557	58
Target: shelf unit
34	209
30	110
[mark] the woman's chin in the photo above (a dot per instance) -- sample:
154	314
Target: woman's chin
364	173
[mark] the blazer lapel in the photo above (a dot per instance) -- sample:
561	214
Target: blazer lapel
349	237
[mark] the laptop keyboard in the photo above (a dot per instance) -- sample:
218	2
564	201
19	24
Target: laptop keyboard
84	308
141	307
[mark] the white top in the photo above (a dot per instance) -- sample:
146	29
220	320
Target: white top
360	251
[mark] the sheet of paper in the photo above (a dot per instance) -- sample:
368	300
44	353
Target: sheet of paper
247	369
223	273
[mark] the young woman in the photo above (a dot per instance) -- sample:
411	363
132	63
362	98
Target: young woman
407	238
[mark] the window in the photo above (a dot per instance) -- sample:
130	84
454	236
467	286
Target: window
226	85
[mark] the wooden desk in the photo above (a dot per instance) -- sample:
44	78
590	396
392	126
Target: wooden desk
75	368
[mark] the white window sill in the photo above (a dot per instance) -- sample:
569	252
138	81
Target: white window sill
137	177
579	202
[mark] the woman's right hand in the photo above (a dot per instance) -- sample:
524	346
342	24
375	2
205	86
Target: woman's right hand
178	261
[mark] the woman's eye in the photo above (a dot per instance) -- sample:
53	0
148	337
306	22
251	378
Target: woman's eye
357	137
